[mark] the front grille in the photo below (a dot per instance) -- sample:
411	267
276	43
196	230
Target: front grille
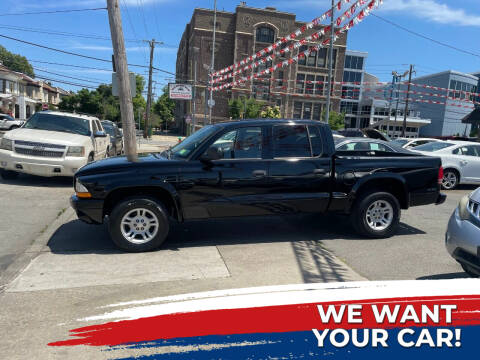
32	148
474	208
42	153
37	144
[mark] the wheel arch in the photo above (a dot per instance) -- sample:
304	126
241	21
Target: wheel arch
166	196
390	183
454	168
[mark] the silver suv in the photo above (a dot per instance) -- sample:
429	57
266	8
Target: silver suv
463	234
9	123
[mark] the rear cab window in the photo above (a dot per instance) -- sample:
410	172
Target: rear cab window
297	141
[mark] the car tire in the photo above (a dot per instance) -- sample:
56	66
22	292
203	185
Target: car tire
129	220
8	174
376	215
471	272
450	179
14	127
90	158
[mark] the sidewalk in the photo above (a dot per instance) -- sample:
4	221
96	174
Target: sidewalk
157	143
79	272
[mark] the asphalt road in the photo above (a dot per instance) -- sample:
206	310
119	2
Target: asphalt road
416	252
28	204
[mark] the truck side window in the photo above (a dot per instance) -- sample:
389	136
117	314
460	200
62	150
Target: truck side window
290	141
94	127
243	143
315	140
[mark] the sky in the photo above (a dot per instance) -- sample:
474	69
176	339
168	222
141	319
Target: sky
453	22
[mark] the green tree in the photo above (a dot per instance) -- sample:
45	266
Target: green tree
16	62
271	112
254	108
235	109
164	107
336	120
101	102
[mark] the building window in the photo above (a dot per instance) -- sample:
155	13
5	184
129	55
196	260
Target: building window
312	59
265	34
300	84
307	110
352	76
349	107
309	87
281	75
322	58
302	60
350	92
354	62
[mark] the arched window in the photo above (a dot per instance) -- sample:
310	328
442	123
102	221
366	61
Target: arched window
265	34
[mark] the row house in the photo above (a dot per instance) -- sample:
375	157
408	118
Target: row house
21	96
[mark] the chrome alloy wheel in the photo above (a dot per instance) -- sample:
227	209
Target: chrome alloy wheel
139	226
379	215
449	180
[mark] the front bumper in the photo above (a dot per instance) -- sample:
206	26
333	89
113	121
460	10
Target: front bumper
463	241
88	210
40	166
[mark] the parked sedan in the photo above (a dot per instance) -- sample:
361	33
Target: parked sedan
116	137
460	159
463	234
413	143
366	147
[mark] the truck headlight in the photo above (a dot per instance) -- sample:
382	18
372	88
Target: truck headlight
77	151
81	190
6	144
463	208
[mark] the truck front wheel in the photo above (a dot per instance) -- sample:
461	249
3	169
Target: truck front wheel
376	215
138	224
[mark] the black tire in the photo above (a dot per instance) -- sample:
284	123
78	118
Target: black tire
471	272
359	217
14	127
90	158
8	174
128	206
450	180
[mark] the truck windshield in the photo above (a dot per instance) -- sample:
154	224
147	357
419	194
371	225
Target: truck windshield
187	146
433	146
61	123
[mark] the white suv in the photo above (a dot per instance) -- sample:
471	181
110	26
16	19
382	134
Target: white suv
53	143
9	123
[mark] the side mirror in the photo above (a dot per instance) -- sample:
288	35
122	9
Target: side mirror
100	134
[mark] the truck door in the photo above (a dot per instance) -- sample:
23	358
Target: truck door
470	162
233	184
299	171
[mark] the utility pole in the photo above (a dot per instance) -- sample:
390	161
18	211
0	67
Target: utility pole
406	102
196	51
125	93
152	44
212	65
330	65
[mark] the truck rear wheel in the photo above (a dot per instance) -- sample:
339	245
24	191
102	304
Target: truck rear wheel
138	224
376	215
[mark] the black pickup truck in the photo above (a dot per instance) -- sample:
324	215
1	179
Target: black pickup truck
253	168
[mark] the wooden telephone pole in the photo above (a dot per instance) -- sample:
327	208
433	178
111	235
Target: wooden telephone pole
149	95
125	93
405	114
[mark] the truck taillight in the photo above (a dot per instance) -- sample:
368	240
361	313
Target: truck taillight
440	175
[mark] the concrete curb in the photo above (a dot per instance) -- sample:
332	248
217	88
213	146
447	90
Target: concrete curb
38	246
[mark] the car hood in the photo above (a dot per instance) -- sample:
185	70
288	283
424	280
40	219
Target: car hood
121	163
48	137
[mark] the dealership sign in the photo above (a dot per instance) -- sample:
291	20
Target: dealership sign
180	91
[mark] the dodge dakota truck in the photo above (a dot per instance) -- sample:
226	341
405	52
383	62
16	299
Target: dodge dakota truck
253	168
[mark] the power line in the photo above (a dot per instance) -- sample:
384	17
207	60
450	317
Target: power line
61	33
66	52
52	12
69	77
426	37
67	82
69	65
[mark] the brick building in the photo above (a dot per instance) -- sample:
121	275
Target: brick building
239	35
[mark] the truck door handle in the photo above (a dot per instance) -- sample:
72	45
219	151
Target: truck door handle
259	173
320	172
